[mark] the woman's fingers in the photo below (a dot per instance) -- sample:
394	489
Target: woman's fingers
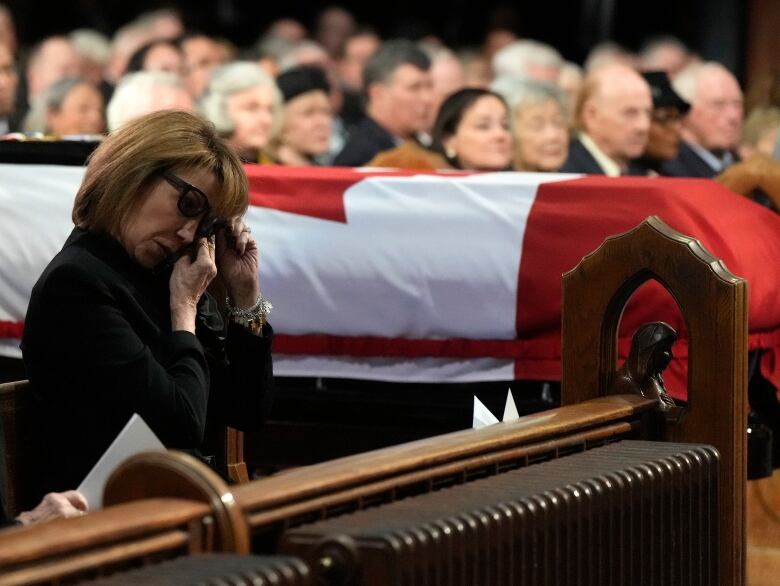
236	236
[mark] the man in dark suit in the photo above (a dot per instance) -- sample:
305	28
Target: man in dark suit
614	120
713	127
399	94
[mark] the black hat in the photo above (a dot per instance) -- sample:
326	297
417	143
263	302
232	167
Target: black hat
302	79
663	93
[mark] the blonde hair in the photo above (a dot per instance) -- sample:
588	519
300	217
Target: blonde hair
760	122
121	170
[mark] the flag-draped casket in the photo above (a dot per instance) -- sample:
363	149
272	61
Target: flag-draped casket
434	277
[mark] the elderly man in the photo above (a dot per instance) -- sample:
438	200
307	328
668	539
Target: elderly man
9	80
143	92
713	127
614	120
399	94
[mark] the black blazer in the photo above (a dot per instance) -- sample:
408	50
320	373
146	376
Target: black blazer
98	346
688	164
581	161
366	140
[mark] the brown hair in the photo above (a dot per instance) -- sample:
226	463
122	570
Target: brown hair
121	170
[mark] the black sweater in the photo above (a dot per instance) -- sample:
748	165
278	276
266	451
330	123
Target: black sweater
98	346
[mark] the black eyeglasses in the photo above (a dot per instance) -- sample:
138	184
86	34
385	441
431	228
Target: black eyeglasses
192	201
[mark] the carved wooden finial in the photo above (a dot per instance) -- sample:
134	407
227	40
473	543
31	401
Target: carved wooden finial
650	354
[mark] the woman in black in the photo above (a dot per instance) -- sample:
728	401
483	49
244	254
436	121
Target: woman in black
120	321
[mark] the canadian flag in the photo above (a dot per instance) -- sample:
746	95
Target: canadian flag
428	277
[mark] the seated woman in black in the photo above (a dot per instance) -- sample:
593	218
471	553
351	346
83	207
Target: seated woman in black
119	321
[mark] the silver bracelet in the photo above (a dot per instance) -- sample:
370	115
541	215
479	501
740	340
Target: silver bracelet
255	315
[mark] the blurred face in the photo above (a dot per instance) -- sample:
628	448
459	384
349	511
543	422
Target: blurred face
617	116
404	103
715	119
155	228
9	80
58	60
7	29
357	52
482	141
766	144
251	111
663	141
164	58
307	123
541	137
201	55
447	77
170	98
81	112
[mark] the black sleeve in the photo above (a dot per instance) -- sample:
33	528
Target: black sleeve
94	337
241	376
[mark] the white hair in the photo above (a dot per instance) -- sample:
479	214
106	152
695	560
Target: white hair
515	59
91	44
232	78
571	70
686	82
138	94
522	92
606	53
648	54
291	57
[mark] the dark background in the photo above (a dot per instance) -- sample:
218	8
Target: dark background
713	28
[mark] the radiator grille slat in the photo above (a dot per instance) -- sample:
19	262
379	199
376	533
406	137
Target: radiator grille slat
629	512
216	570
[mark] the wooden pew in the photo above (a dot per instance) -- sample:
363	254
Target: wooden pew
291	499
714	302
19	428
70	550
202	518
715	305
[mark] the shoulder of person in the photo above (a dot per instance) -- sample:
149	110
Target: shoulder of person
409	155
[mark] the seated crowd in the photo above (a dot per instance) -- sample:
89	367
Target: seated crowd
345	97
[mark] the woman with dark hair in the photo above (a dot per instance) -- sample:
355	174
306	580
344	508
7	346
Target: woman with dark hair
472	131
158	55
120	321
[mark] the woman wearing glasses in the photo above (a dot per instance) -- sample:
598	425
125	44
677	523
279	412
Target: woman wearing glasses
120	321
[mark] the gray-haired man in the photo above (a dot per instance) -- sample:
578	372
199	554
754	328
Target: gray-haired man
399	102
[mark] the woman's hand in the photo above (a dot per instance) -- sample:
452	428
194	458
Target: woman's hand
55	505
188	283
237	260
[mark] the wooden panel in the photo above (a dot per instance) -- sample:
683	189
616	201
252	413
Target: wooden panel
178	475
364	476
126	534
714	304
